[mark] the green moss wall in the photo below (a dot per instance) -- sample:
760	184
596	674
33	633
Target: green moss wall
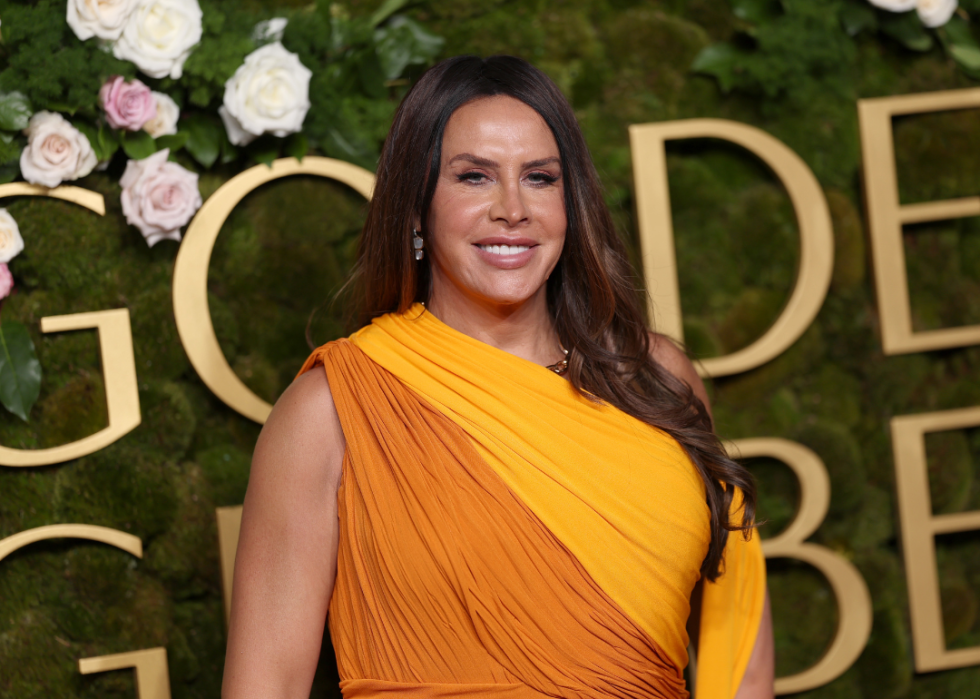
287	247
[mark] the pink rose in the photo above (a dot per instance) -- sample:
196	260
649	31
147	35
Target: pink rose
6	281
159	197
127	105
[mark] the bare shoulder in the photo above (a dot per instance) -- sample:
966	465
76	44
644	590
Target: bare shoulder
303	435
673	359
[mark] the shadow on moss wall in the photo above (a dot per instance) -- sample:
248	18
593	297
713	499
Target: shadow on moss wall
286	249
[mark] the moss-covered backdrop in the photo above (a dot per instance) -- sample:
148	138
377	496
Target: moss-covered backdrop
287	247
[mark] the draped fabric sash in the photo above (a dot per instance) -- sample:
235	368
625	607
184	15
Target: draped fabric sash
447	584
502	535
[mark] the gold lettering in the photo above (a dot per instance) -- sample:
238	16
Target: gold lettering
229	528
152	675
919	529
886	216
190	285
656	229
853	598
76	195
121	540
121	391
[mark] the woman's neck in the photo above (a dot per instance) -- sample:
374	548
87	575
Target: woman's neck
524	330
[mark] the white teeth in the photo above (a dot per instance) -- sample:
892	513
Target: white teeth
505	249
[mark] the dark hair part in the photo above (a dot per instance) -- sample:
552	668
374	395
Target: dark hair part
597	311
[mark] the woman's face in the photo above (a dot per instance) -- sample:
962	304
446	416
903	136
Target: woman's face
497	219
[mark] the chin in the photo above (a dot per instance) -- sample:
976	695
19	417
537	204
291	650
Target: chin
511	296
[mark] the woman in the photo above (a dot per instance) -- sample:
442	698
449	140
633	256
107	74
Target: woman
503	485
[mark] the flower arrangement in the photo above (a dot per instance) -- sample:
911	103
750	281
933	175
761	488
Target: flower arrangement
170	88
915	25
156	92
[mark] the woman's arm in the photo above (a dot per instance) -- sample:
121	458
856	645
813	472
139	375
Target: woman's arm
287	551
757	683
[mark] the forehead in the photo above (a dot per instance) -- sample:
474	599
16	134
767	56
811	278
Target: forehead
501	123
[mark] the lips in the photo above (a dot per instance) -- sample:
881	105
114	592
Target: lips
506	253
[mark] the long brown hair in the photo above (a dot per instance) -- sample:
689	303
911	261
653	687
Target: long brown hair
596	308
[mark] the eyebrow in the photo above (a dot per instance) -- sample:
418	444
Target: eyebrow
486	162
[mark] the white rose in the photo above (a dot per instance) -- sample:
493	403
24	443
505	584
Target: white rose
165	122
56	151
935	13
236	134
159	197
270	92
10	241
895	5
102	18
159	36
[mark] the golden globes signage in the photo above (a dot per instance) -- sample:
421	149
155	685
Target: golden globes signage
886	217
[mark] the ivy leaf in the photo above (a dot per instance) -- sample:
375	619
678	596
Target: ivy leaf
20	371
387	9
174	141
966	56
858	16
403	42
296	146
15	111
957	32
204	137
907	30
138	145
720	61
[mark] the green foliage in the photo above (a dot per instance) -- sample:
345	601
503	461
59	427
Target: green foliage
20	372
15	111
45	61
286	249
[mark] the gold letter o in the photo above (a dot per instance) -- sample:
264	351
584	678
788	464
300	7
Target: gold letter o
190	285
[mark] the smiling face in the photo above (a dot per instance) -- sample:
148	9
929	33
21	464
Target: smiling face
497	222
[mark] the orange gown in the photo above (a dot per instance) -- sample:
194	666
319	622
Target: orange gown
502	536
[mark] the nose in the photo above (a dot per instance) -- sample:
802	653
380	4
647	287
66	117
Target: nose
508	204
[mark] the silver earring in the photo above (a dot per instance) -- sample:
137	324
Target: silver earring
418	244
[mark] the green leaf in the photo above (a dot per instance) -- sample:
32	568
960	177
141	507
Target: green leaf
229	153
856	16
174	142
104	140
138	145
403	42
20	371
721	61
371	75
204	137
966	56
9	172
387	9
296	146
15	111
265	149
907	30
755	11
957	32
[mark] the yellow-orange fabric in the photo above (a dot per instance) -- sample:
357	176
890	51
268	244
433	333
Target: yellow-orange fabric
620	498
731	610
447	584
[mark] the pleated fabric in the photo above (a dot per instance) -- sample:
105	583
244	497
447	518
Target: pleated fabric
448	585
502	535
